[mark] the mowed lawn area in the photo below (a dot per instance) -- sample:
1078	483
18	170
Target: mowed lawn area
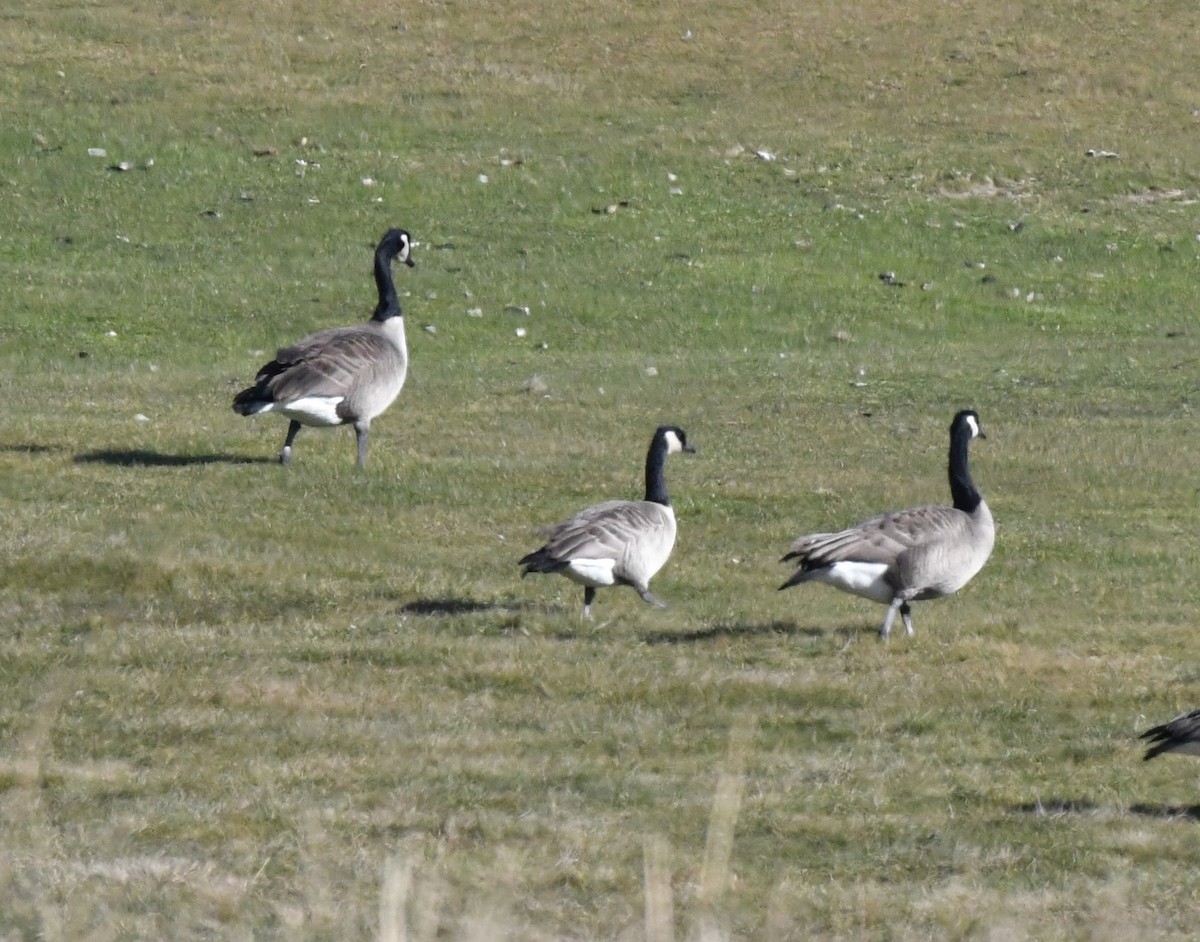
246	701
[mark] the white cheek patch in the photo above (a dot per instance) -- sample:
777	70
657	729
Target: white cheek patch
674	445
591	572
973	424
314	410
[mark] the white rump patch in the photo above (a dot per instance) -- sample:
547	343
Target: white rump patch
862	579
596	573
313	410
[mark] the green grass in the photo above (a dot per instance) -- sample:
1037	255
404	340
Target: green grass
243	701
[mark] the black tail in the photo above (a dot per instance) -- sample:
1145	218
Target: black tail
1161	741
540	561
252	400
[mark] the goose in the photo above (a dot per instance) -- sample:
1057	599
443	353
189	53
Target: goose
907	555
1181	735
618	542
341	375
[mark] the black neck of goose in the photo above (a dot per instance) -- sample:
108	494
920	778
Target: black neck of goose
656	481
962	488
389	303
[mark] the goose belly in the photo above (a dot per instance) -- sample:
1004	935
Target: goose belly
312	410
866	580
595	573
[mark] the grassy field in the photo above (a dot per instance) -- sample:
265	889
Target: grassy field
243	701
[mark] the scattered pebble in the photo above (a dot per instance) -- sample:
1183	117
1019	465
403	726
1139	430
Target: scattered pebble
474	312
1106	154
483	178
651	371
97	152
536	385
517	309
520	331
764	155
368	181
141	418
430	329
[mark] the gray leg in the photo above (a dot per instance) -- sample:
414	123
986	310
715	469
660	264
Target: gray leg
897	605
589	596
360	432
286	454
647	597
906	614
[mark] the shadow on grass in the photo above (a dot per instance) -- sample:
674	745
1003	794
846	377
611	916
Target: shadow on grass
1057	807
1191	812
143	458
451	606
732	630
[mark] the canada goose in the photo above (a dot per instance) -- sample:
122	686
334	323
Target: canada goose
618	542
1181	735
343	374
908	555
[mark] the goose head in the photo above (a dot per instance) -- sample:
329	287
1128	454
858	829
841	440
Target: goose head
967	421
674	438
397	244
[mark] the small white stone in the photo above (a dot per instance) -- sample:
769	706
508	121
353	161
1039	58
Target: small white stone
520	331
368	181
111	333
474	312
651	371
430	329
97	152
483	178
141	418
